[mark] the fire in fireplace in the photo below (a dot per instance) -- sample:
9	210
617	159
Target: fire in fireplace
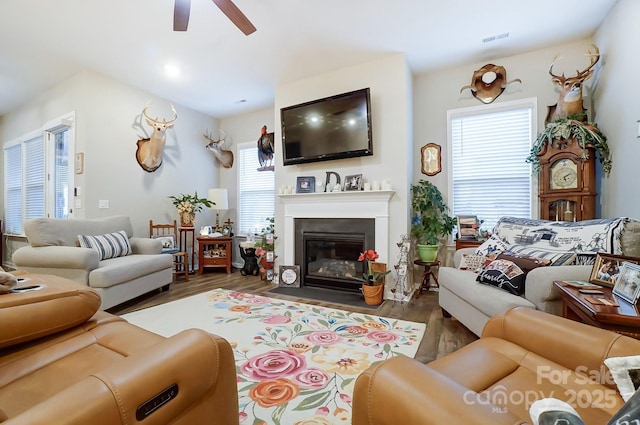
328	250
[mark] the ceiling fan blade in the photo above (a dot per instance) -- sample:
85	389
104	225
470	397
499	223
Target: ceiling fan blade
181	12
236	16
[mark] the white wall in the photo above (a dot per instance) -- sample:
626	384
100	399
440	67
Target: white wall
390	84
618	100
106	113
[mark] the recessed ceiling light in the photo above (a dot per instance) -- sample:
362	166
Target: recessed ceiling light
172	71
495	37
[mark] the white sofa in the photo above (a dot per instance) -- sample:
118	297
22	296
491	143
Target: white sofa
54	249
473	303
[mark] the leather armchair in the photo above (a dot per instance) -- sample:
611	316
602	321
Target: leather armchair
67	363
523	355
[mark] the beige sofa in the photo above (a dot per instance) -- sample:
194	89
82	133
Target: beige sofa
54	249
473	303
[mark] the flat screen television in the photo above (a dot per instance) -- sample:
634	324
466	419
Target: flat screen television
331	128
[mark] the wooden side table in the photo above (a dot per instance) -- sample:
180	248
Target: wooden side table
184	245
623	318
214	252
428	274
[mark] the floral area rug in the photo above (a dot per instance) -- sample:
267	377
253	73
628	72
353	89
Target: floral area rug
296	363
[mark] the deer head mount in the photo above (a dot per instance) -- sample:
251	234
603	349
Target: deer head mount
488	82
217	147
149	151
570	100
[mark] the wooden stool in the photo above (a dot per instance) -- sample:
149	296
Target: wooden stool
428	274
181	264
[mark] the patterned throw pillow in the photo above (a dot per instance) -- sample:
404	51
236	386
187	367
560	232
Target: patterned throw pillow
108	246
509	271
557	258
471	262
493	245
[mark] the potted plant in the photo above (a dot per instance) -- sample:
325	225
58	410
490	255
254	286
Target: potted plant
585	134
431	220
372	278
188	206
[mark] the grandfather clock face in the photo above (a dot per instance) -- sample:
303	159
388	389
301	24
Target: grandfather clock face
564	174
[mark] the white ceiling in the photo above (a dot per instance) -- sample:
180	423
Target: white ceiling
45	41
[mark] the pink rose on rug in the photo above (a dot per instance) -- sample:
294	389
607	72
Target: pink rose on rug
273	364
276	319
382	336
274	392
311	378
324	338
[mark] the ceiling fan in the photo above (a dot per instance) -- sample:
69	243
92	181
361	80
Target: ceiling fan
182	8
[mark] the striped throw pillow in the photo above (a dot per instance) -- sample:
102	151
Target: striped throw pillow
108	246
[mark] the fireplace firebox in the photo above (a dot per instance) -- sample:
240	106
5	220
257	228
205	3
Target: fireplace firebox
328	249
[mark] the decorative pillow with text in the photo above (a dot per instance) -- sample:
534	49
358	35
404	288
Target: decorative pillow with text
509	271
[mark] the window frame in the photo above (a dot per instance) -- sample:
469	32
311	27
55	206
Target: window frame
532	104
47	134
242	147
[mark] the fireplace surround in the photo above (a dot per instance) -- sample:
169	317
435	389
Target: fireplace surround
372	205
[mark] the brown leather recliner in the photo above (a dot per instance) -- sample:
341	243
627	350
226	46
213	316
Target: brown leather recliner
64	362
523	355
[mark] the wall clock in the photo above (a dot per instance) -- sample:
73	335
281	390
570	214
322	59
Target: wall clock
564	174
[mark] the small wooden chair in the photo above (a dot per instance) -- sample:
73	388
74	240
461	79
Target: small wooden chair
170	232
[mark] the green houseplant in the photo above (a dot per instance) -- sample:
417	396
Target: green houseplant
188	206
586	135
430	221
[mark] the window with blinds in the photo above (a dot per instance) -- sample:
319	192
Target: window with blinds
256	198
489	175
37	175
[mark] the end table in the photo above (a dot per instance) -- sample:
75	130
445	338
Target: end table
214	252
428	274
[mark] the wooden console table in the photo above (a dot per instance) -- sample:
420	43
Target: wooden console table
214	252
623	318
468	243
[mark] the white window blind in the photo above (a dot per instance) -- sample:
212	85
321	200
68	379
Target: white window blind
256	197
34	178
489	175
13	189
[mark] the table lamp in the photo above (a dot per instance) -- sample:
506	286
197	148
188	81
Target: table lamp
221	200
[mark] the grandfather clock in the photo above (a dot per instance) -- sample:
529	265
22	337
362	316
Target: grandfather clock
567	182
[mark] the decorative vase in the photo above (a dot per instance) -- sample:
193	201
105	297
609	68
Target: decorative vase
428	253
373	294
187	219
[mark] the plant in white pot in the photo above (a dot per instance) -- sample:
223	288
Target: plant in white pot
430	221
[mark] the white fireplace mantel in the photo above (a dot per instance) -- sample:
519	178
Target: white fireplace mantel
361	204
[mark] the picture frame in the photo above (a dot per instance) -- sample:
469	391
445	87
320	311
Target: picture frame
289	276
468	227
305	184
227	230
353	182
168	241
607	267
627	284
431	159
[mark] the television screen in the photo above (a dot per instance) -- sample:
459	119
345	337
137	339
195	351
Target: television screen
331	128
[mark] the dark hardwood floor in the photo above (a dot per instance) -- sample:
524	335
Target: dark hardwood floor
441	337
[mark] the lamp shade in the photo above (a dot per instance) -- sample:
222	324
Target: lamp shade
220	198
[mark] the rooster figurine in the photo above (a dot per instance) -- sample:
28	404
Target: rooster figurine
265	150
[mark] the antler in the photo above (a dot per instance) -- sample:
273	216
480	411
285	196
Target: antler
173	109
209	136
595	57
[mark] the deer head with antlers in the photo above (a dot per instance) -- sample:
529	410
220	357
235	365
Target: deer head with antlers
217	147
149	152
570	100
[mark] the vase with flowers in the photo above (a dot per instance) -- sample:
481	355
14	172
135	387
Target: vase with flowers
373	277
188	206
